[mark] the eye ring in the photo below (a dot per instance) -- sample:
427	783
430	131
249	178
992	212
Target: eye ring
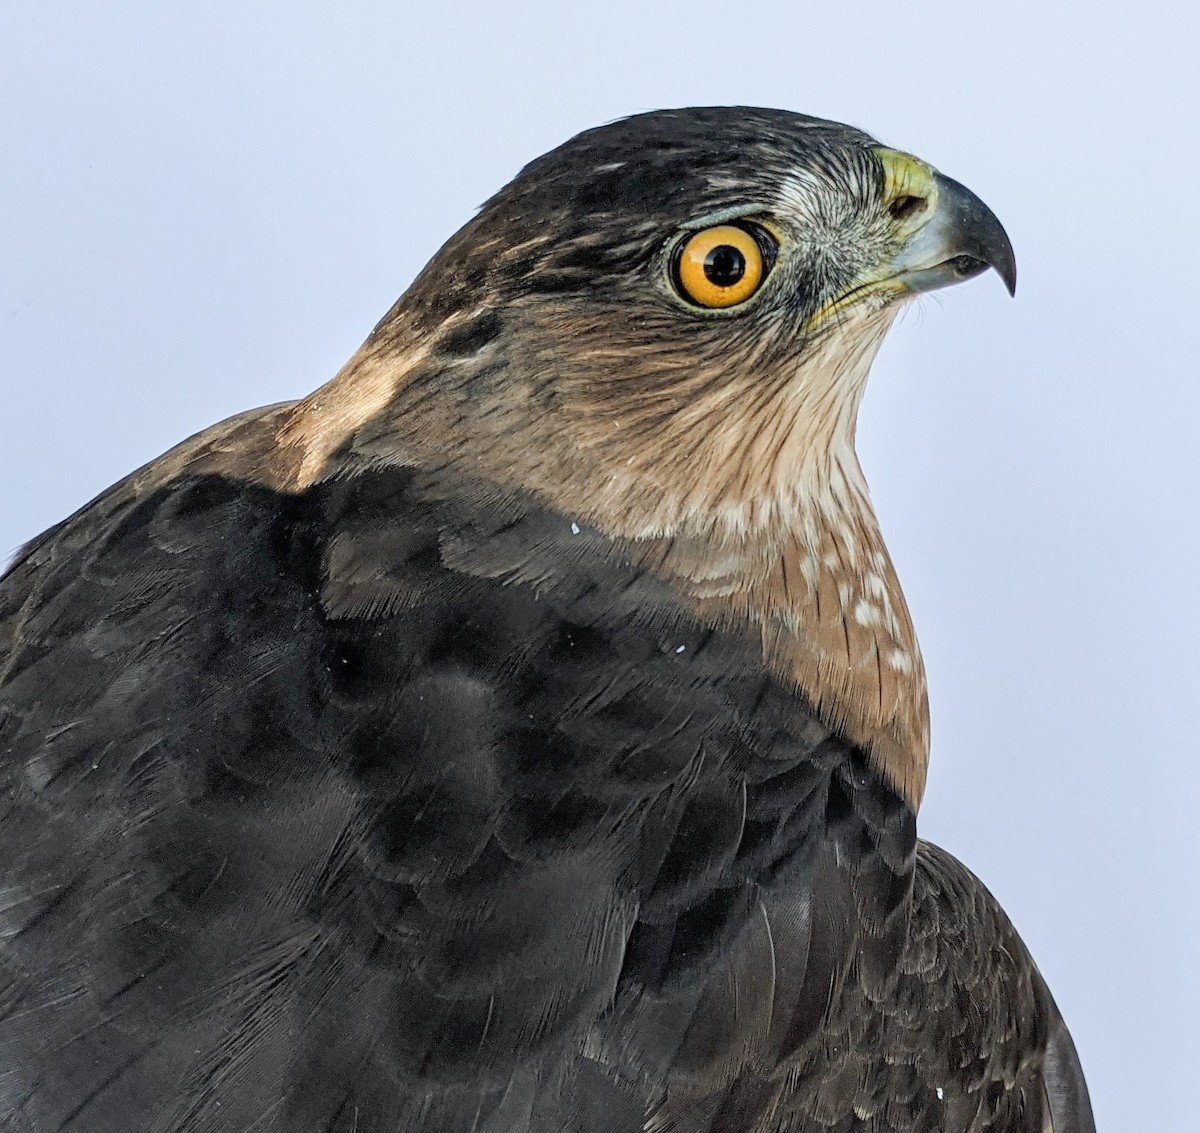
722	266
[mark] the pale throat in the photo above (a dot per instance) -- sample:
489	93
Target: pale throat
797	549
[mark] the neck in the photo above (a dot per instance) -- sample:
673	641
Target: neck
744	491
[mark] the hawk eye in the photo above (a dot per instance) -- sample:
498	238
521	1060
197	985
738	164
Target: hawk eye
723	265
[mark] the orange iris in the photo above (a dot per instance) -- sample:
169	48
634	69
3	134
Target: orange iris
719	266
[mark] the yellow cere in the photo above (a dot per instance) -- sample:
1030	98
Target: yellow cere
909	188
719	266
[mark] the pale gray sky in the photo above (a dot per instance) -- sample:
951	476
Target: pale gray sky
206	207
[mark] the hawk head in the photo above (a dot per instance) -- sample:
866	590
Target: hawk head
663	328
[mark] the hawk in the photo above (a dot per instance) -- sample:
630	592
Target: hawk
525	731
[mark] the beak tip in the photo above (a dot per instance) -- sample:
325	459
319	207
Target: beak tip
1005	262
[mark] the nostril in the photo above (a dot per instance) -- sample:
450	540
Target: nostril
906	206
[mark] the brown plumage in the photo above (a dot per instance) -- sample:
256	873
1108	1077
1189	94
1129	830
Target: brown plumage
525	730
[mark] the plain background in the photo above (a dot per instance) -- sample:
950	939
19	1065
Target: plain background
205	207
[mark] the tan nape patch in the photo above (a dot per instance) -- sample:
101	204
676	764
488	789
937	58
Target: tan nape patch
290	446
320	425
242	447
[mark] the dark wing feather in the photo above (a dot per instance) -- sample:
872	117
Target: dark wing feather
1067	1099
407	804
961	1036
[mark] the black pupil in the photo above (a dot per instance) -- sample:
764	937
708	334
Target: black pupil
724	265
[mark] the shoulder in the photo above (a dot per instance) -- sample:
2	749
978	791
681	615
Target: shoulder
240	449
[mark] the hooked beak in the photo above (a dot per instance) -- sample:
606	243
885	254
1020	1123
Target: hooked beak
951	235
